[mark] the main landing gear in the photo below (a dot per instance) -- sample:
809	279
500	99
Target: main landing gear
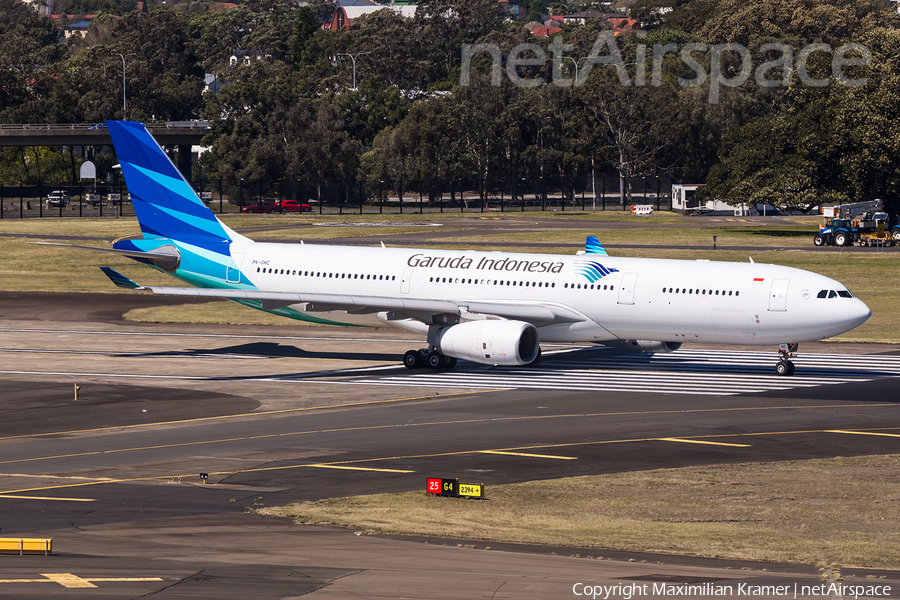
428	357
786	352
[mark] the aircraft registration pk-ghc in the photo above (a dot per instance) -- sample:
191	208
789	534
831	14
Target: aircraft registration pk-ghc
492	308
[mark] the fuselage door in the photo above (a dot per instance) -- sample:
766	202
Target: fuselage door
404	281
778	294
626	288
233	273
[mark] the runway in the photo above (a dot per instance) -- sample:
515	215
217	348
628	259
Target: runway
288	414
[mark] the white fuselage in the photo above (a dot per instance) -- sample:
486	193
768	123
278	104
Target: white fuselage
608	298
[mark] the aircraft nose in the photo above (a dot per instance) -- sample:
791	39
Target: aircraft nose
858	312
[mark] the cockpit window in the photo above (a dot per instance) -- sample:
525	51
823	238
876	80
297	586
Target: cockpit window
832	294
822	294
844	294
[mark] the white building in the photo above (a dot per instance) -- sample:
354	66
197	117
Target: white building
684	201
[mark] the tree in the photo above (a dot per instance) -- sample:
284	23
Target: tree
638	122
305	27
738	21
831	144
216	34
327	152
27	46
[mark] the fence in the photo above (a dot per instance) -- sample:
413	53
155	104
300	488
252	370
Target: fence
391	196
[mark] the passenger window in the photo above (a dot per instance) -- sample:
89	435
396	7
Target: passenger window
737	293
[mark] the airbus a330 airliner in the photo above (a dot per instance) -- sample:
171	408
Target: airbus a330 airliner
491	308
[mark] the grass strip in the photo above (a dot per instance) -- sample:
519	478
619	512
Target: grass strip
837	511
800	237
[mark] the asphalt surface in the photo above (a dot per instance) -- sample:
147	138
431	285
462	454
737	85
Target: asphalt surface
287	414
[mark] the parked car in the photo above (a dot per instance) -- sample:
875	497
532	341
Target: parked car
270	205
265	206
57	198
293	206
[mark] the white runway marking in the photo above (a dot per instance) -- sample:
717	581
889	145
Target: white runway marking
699	372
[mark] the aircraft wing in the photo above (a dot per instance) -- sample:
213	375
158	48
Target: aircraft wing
537	313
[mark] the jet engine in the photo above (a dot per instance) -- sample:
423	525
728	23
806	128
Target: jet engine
649	346
490	342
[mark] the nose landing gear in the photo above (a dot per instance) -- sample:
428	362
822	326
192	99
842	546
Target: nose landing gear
428	357
784	365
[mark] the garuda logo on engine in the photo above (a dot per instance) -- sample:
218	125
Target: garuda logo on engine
592	270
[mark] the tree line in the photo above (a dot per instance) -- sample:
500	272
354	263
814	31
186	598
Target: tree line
288	111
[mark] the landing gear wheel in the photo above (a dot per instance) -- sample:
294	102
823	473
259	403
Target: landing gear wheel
412	359
784	367
449	362
435	360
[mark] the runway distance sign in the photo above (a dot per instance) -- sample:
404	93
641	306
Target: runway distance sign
442	487
471	490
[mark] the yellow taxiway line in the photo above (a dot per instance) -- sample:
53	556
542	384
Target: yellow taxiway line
526	454
69	580
47	498
687	441
324	466
862	432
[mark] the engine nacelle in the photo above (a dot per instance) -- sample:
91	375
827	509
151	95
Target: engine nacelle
490	342
649	346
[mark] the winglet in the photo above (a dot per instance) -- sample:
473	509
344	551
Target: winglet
120	280
592	246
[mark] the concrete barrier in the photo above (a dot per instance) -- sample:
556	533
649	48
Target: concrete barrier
27	545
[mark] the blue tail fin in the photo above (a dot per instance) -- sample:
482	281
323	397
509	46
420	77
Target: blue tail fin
165	203
592	246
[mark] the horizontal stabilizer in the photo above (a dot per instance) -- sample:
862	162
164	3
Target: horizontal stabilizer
593	246
166	261
120	280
